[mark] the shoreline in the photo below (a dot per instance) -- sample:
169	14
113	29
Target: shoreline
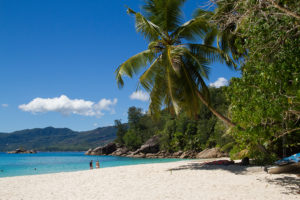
186	179
170	160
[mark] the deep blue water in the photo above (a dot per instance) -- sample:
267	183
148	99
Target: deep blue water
53	162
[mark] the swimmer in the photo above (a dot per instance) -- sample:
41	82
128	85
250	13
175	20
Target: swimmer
91	164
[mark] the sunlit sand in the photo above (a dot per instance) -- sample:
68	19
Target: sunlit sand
177	180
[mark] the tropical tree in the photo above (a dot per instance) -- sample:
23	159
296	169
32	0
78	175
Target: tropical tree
174	68
265	100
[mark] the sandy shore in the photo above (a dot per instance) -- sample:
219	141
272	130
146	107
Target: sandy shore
178	180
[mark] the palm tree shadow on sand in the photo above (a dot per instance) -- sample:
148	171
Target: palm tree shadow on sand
290	182
233	168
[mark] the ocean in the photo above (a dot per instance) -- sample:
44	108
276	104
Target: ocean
53	162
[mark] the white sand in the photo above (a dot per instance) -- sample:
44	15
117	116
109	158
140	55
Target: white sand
153	181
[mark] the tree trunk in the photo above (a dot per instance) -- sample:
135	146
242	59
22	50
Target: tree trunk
216	113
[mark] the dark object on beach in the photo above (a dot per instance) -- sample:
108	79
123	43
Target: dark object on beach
289	160
293	168
91	164
97	164
245	161
220	162
20	150
289	164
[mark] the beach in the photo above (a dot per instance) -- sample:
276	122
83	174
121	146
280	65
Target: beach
169	181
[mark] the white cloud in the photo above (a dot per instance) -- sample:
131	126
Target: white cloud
139	95
67	106
4	105
219	83
144	112
95	124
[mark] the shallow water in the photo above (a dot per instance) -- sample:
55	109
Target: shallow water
53	162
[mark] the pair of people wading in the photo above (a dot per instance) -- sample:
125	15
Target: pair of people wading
97	164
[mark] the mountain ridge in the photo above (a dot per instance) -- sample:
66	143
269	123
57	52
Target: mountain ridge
56	139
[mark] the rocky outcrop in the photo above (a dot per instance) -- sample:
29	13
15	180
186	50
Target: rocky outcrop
88	152
150	149
178	154
139	155
22	151
188	154
211	153
105	150
120	151
150	146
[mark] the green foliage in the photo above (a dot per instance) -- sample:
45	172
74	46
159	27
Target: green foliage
140	128
180	132
264	101
121	131
167	135
133	139
183	133
233	153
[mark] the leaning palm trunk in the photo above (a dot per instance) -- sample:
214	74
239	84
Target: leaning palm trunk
214	111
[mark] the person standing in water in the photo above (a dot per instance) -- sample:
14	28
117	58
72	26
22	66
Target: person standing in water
97	164
91	164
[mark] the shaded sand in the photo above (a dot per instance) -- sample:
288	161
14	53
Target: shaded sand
168	181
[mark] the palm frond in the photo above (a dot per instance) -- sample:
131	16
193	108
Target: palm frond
192	30
156	46
147	79
133	65
205	14
196	75
213	54
174	58
189	102
226	41
166	14
147	28
210	37
158	93
198	61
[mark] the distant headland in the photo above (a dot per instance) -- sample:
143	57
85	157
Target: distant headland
21	150
56	139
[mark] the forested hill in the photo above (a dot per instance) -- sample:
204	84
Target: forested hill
56	139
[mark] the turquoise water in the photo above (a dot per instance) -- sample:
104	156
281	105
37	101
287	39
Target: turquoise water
53	162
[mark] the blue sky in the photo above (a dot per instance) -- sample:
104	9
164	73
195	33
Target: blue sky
65	52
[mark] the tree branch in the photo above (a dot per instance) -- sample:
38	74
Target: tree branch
287	132
288	12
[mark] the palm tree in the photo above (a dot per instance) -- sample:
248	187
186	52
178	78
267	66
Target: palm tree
174	69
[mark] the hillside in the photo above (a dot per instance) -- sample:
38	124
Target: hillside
56	139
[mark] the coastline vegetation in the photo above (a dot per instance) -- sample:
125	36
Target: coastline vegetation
265	101
179	133
260	110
